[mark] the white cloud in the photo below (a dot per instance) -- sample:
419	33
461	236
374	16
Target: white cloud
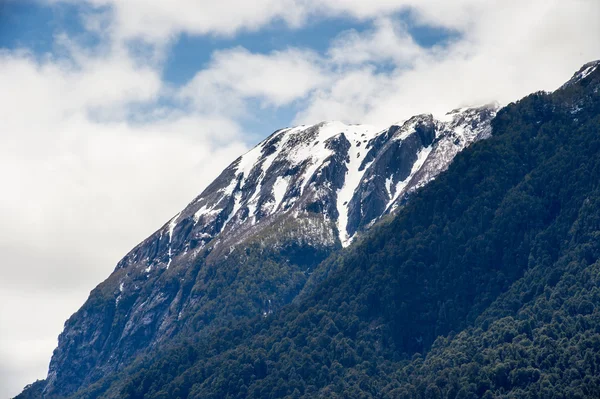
91	162
78	192
236	75
159	20
506	51
389	41
28	341
379	76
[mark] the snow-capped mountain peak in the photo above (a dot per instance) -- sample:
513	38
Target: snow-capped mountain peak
300	194
341	177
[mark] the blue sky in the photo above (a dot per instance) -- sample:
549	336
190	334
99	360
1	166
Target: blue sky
34	26
190	53
116	113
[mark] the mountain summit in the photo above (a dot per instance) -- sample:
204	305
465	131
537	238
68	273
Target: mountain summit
248	243
348	175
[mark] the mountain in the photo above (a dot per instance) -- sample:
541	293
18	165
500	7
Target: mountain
250	242
483	285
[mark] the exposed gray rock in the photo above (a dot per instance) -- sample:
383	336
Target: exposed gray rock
299	195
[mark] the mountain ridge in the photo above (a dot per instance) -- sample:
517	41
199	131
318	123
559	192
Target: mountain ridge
485	285
251	169
299	195
169	276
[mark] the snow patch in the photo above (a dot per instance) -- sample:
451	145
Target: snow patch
121	289
408	128
449	117
353	177
388	185
279	189
265	164
315	152
172	225
205	211
588	71
236	207
227	191
401	185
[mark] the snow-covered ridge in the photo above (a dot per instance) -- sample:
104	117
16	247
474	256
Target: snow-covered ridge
347	176
312	188
585	71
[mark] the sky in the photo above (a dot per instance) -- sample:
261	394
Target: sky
114	114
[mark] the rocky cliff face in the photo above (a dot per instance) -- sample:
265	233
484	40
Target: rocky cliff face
248	243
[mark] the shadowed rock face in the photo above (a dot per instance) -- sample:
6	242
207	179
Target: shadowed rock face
248	243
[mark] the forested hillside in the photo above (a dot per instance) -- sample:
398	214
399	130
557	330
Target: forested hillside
486	284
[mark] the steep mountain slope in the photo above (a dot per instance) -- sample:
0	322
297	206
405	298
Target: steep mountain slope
248	243
490	271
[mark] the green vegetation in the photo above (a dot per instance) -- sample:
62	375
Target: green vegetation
486	285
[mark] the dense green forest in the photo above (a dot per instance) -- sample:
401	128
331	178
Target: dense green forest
485	285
